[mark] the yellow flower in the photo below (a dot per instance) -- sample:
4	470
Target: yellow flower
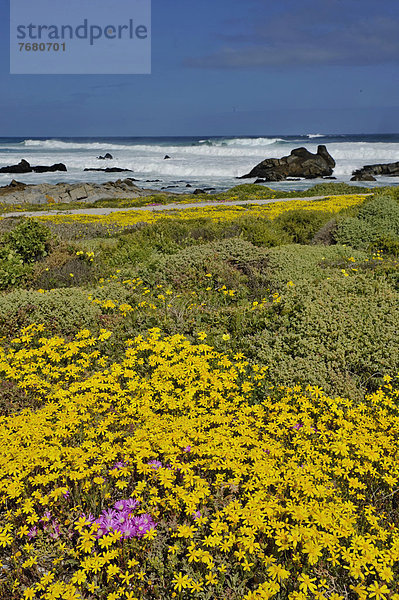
278	572
181	582
306	583
378	592
79	577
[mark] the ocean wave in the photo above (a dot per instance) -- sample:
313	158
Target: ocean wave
61	145
191	158
260	141
315	135
214	147
364	151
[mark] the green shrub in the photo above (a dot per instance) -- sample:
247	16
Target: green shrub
386	244
12	270
302	225
382	212
64	310
387	192
336	189
306	265
30	239
340	334
355	232
375	226
61	269
223	259
262	232
146	245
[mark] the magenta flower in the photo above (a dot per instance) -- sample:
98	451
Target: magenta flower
120	518
297	426
32	532
120	464
155	464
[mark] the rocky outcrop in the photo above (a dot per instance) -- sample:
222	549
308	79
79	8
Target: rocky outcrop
11	188
300	163
111	170
24	167
44	169
45	193
370	171
107	156
363	177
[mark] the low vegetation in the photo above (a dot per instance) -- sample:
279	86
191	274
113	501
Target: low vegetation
202	405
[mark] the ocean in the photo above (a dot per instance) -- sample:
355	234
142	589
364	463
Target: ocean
211	163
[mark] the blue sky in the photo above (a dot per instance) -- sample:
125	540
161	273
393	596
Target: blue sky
227	67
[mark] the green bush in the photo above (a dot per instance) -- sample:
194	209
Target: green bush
387	192
30	239
340	334
64	310
355	232
147	244
302	225
306	265
61	269
382	212
12	270
336	189
375	226
187	268
262	232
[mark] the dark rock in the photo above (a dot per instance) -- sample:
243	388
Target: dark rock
260	181
111	170
329	178
152	180
293	179
107	156
363	177
189	185
300	163
387	169
166	157
24	167
198	191
44	169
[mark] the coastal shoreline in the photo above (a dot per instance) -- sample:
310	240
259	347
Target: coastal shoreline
209	163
